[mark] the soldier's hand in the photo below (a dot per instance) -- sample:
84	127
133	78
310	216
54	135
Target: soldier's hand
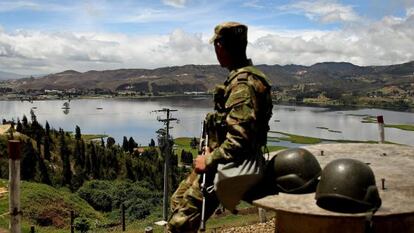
200	161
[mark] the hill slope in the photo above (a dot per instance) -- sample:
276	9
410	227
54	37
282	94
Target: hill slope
204	77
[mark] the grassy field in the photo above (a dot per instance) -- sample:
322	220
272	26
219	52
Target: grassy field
294	138
311	140
402	127
88	137
373	119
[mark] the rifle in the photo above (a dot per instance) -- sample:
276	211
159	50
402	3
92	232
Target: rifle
201	148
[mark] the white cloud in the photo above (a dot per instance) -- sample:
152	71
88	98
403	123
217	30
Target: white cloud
36	52
175	3
6	6
253	4
388	41
324	11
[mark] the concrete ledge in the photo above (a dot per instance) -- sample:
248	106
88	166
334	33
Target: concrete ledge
394	163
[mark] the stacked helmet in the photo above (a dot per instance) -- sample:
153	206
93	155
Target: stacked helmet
347	185
294	170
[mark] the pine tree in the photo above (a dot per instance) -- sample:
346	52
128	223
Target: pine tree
152	143
43	173
46	148
94	161
64	153
25	124
47	128
83	153
131	145
125	146
78	134
28	161
102	143
19	127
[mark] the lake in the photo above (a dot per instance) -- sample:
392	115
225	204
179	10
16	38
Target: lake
136	118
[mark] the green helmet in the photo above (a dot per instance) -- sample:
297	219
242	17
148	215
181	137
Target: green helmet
347	185
295	170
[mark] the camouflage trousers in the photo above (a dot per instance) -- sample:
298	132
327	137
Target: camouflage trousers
186	205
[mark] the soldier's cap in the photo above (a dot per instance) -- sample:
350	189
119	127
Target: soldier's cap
233	30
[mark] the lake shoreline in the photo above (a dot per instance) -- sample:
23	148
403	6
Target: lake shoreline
334	107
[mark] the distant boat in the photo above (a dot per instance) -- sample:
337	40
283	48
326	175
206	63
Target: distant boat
66	105
99	108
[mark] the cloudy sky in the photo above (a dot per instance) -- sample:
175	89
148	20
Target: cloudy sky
42	36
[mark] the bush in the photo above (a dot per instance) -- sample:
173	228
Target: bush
139	198
137	209
96	194
81	224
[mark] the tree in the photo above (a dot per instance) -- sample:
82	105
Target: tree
110	141
125	146
32	115
131	145
25	123
193	143
94	161
64	154
47	129
43	173
28	161
77	133
152	143
46	148
19	127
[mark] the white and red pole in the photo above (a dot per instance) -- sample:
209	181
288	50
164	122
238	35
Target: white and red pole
14	186
380	120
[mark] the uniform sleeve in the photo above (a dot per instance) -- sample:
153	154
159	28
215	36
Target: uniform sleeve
241	121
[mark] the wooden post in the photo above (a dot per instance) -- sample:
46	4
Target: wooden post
123	216
14	186
148	230
32	229
262	215
72	220
380	120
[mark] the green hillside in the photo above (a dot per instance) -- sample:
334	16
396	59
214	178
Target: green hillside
46	207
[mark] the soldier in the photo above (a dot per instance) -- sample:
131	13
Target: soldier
237	129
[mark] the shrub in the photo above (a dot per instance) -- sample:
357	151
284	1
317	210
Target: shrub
81	224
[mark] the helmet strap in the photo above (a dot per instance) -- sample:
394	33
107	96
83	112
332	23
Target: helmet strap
369	224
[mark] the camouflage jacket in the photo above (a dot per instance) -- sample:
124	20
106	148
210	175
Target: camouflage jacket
245	107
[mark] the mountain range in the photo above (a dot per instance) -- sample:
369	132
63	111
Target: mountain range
340	75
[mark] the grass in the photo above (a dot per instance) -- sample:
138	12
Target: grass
294	138
401	127
369	119
299	139
372	119
89	137
40	201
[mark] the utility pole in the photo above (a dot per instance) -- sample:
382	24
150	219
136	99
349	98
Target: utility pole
167	151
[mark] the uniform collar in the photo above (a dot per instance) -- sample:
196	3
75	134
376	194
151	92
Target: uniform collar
233	73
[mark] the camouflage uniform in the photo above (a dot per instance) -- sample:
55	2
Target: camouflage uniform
238	127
